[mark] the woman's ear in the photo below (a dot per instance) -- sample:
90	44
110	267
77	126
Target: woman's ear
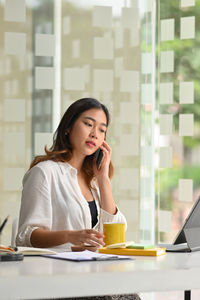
67	132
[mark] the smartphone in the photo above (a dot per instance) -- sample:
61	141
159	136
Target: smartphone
99	157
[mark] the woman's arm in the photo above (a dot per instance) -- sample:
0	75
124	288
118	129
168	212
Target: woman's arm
46	238
107	201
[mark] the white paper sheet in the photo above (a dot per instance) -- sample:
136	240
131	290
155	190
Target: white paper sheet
167	30
185	190
102	16
86	256
103	48
186	124
166	93
166	124
15	11
44	44
15	43
44	78
187	28
167	61
103	80
165	157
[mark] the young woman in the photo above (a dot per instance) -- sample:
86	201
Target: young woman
66	198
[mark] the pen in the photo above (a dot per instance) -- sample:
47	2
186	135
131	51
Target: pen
102	257
3	224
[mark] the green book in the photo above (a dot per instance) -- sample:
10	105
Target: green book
140	246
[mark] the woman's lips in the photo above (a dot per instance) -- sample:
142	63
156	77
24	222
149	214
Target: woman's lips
90	144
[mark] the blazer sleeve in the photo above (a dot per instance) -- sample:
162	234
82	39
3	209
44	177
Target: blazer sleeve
36	208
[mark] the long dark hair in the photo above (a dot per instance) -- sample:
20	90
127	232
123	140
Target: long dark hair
61	150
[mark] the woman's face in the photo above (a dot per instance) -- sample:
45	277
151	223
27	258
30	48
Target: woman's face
88	132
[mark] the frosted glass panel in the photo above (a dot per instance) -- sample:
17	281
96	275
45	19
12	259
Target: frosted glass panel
185	190
15	43
167	30
45	44
187	28
15	11
177	127
55	52
44	78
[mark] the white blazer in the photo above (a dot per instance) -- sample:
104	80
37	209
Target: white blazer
52	199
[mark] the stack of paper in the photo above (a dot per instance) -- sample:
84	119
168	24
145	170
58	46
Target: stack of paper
134	249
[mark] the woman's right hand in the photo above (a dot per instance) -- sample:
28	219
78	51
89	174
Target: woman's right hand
83	237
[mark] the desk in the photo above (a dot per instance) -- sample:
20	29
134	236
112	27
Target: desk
38	277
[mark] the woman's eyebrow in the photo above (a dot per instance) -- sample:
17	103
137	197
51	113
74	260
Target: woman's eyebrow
93	120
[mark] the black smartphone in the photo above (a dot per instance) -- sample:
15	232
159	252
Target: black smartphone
11	256
99	157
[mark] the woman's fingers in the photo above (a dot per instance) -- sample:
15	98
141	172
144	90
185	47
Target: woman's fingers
95	232
94	237
107	151
94	241
106	148
87	236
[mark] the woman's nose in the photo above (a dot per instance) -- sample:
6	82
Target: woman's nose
93	133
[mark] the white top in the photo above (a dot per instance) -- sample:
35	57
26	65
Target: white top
52	199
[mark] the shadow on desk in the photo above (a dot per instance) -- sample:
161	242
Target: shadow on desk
109	297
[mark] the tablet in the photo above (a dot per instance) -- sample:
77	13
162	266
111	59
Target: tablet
188	238
192	221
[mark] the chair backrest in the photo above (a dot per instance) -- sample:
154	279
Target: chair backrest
14	232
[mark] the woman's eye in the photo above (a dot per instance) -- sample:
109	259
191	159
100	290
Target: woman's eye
102	130
88	124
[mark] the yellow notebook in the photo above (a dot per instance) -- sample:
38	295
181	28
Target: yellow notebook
140	252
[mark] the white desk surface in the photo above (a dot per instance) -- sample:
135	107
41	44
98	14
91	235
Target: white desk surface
39	277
